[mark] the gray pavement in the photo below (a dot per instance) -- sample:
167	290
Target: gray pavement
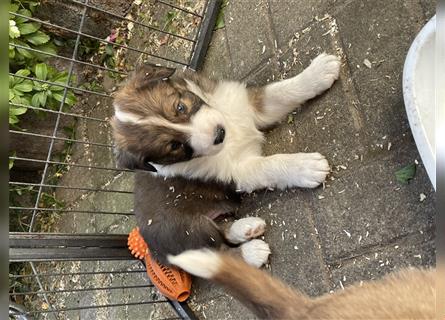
363	223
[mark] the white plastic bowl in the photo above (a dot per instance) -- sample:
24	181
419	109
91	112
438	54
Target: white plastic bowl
418	93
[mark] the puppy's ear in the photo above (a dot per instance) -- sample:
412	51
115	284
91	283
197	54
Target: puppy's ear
127	160
148	75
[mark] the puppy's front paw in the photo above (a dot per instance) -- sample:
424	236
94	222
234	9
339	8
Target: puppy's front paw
305	170
246	229
323	71
255	252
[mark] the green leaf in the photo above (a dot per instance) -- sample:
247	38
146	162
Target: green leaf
11	95
47	47
220	23
56	88
12	81
11	162
13	119
61	78
23	73
26	100
11	52
58	96
41	71
24	86
42	98
405	174
35	101
27	28
17	93
13	7
37	38
16	111
70	98
39	99
26	53
25	12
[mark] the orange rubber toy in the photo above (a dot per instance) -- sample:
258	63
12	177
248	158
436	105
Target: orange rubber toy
171	282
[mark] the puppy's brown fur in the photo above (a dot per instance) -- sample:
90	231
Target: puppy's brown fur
408	294
175	214
147	93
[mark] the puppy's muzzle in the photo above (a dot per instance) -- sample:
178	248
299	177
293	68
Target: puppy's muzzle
220	134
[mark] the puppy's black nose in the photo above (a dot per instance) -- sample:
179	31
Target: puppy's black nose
220	133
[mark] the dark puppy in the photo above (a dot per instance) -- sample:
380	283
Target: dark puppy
176	214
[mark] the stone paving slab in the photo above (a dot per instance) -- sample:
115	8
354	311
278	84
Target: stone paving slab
415	250
367	207
383	38
248	21
290	16
296	252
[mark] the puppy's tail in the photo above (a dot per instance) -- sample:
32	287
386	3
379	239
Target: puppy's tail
266	297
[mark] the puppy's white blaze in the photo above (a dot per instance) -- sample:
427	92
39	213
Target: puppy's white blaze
194	88
245	229
203	129
125	116
255	252
161	122
203	263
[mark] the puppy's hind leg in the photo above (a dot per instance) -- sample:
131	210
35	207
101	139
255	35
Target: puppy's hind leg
245	229
274	101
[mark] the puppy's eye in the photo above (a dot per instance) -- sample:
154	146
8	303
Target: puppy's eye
175	145
181	108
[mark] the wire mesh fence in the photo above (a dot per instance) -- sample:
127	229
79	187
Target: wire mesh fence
70	208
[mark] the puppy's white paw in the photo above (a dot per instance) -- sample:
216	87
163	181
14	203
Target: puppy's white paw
246	229
305	170
323	71
203	263
255	252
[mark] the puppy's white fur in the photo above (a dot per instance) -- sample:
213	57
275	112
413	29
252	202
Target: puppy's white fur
245	229
203	263
240	158
206	263
203	125
255	252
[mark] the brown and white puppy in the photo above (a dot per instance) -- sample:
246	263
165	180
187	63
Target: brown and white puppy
408	294
176	214
178	123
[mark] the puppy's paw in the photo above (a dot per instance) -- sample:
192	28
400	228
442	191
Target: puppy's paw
305	170
323	71
246	229
255	252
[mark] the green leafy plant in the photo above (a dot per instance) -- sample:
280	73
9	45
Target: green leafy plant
24	62
26	92
27	34
50	95
19	93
